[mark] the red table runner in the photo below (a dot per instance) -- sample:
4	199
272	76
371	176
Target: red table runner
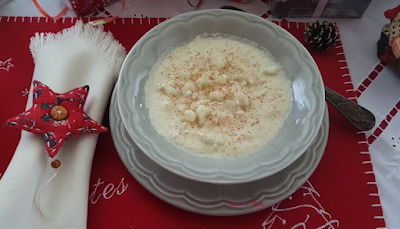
341	193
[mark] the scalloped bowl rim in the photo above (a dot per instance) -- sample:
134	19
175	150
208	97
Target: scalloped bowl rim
248	168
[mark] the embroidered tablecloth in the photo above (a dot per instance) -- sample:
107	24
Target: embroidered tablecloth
341	192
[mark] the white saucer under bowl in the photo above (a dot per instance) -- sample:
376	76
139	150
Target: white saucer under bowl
214	199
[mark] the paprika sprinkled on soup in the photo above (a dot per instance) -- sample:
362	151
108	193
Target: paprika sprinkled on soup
218	95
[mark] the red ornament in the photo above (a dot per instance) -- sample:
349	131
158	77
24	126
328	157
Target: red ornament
84	7
57	117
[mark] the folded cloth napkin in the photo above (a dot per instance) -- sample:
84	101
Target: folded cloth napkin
32	194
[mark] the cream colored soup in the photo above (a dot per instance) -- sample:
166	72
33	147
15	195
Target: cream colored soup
218	95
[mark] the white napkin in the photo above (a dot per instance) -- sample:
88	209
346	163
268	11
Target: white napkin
77	56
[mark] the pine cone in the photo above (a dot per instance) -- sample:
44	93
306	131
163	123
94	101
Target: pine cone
321	35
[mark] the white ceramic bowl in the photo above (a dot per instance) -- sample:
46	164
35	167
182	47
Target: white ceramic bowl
300	127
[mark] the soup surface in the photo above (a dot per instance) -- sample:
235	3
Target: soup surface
218	95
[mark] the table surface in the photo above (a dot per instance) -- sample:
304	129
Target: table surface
359	37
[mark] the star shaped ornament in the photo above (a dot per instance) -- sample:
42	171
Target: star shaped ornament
56	117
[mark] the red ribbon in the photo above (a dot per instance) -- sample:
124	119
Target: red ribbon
65	10
42	11
109	19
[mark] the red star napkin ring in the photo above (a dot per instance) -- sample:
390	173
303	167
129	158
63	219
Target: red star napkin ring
56	117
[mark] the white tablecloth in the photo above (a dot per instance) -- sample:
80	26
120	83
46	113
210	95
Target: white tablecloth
359	37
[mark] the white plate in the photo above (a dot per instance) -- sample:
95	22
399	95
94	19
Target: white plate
300	126
214	199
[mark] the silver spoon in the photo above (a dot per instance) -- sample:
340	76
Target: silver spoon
360	117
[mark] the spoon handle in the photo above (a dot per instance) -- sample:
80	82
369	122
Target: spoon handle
360	117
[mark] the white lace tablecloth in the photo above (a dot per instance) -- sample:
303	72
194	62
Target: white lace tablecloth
359	37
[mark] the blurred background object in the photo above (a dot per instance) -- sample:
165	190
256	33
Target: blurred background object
319	8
